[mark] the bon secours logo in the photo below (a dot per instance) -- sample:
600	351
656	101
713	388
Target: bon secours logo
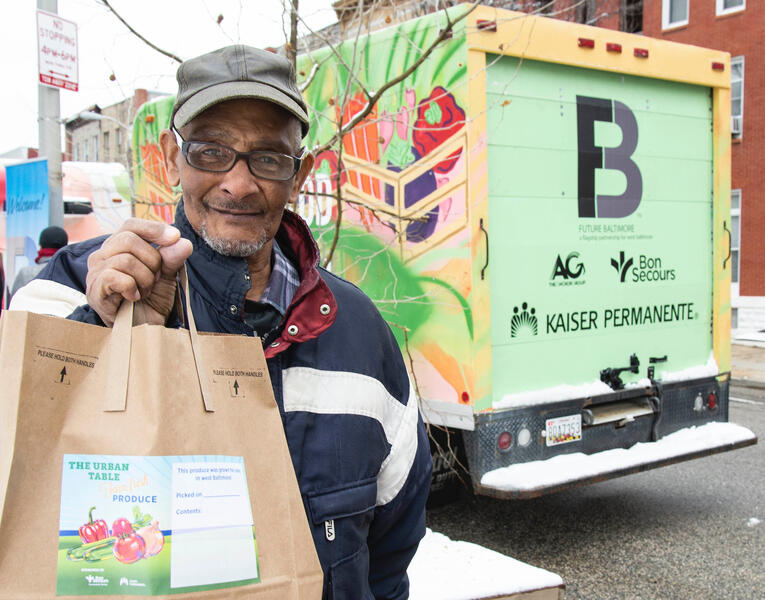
567	272
524	322
647	269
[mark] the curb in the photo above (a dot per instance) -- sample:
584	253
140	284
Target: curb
747	383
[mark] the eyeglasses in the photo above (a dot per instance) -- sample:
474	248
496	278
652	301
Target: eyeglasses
217	158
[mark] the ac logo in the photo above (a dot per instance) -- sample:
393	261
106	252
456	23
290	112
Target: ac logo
619	158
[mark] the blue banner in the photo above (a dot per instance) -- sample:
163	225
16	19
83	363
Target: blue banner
27	201
27	198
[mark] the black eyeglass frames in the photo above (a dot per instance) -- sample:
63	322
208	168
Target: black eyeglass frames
217	158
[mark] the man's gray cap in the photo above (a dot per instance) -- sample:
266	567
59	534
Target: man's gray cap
236	72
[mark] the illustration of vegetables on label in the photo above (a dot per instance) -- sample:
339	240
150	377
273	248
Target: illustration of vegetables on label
128	542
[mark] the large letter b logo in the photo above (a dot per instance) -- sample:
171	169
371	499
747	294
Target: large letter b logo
591	157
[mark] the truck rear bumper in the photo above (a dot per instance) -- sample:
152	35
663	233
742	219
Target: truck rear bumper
536	478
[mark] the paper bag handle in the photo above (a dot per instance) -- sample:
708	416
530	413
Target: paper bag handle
119	353
195	345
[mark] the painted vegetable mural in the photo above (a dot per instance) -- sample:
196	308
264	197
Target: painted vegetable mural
401	230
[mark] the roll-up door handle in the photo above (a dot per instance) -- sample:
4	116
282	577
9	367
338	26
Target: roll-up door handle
486	235
730	242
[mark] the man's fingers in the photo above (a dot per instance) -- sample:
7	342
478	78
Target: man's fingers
173	257
128	242
119	284
138	262
129	265
153	232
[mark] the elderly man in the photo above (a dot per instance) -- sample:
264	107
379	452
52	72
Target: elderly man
350	416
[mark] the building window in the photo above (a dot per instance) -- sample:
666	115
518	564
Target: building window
737	96
119	140
735	233
730	6
674	13
85	145
106	146
76	156
95	148
631	16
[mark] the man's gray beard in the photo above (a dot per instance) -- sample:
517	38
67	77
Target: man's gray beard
235	248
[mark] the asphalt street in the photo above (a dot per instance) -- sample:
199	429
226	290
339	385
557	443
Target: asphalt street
695	530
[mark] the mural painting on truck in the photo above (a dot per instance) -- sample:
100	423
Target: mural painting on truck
403	235
154	198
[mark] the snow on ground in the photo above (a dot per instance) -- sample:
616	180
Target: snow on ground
749	337
753	522
597	388
444	569
573	467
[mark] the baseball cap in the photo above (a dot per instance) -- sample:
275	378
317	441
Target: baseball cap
236	72
53	237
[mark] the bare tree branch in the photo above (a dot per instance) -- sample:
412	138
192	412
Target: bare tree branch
138	35
292	45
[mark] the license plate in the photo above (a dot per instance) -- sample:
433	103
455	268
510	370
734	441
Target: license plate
563	430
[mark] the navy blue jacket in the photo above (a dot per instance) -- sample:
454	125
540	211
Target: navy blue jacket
358	444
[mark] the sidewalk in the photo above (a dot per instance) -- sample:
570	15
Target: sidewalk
747	365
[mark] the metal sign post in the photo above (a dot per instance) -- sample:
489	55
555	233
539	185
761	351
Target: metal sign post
57	68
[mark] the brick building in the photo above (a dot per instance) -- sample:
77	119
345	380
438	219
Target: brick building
98	134
735	26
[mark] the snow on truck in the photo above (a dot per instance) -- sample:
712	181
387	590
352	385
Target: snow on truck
541	212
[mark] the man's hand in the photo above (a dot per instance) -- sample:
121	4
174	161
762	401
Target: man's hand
128	266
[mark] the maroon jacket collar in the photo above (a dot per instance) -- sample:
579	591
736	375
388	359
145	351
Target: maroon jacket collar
313	308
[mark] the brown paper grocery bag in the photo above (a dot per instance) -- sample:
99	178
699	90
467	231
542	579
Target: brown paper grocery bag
118	478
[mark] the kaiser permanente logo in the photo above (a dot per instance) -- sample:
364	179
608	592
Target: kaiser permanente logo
525	320
647	269
618	158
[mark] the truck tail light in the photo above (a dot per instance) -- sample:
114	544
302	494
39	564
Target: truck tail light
718	66
641	52
504	441
524	437
712	401
611	47
586	43
465	398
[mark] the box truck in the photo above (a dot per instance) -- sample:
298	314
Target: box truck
540	210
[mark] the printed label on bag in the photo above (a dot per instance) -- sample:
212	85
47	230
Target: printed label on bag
151	525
